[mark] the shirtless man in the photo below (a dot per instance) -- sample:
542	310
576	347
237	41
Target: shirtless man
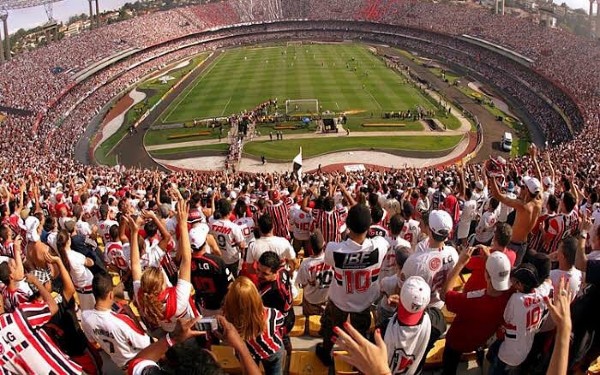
528	207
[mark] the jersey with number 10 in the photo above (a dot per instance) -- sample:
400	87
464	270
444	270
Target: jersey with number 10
356	269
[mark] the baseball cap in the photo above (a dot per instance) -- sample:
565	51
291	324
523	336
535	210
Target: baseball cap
359	218
497	266
414	298
533	184
440	224
547	181
195	216
198	236
479	185
32	223
274	195
526	274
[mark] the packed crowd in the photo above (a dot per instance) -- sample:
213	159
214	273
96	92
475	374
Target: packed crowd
389	246
393	243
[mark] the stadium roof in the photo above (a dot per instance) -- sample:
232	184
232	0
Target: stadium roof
18	4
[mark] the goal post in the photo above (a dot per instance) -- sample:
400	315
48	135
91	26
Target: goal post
298	107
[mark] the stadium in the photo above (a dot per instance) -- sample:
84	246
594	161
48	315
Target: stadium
340	105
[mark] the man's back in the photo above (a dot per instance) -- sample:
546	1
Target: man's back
117	334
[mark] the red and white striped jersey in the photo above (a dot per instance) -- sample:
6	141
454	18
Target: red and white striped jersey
330	223
280	215
14	298
270	341
26	349
560	227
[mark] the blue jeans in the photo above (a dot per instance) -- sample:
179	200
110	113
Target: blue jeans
274	364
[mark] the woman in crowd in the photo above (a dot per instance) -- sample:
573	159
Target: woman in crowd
78	266
260	327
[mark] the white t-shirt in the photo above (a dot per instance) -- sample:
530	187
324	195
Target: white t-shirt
572	276
411	232
176	306
300	222
356	272
433	265
469	213
228	236
104	227
278	245
116	333
486	226
406	345
247	225
83	228
81	275
315	276
523	317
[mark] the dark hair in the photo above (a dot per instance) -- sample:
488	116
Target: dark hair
317	243
396	224
190	358
270	259
61	242
328	204
5	273
502	234
376	213
224	207
569	249
359	219
265	223
542	264
4	232
373	199
402	253
494	203
102	285
407	209
150	228
114	232
240	208
49	223
553	203
569	201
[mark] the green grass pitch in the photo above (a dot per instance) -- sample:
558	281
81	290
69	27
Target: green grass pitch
343	77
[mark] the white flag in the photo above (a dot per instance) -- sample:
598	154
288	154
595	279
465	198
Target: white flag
297	165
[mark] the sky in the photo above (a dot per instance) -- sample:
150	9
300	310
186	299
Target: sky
31	17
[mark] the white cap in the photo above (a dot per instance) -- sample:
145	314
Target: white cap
440	223
198	236
547	181
414	298
233	195
479	185
533	184
32	223
497	266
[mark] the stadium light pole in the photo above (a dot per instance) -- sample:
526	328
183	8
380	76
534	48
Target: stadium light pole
97	13
1	48
4	19
91	14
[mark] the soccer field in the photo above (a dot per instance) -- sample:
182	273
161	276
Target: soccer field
343	77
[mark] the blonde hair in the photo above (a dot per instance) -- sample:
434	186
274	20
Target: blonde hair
244	308
151	286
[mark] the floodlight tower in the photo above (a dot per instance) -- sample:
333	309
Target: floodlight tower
6	41
6	5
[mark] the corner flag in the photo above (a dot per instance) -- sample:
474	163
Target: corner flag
297	165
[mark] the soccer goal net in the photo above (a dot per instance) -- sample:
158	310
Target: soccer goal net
296	107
